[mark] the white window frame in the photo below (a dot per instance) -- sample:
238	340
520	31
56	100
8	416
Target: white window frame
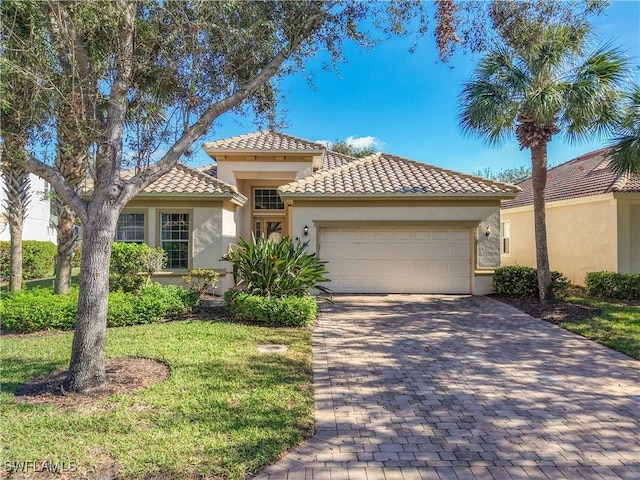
144	227
188	240
505	237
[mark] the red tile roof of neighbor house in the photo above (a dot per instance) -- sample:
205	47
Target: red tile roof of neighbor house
384	174
584	176
264	140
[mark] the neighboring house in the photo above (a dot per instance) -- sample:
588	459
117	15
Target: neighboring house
593	220
39	223
384	224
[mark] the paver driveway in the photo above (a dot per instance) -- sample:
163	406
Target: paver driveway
417	386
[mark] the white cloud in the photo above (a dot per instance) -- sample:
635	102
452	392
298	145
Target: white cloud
326	143
364	142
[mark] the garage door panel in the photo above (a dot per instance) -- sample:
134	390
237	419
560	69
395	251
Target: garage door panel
397	260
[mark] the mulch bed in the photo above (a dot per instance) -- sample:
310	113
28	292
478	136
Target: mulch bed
124	375
557	312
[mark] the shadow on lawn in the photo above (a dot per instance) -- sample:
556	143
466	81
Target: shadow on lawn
19	367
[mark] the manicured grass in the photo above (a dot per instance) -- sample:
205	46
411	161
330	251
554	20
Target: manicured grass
226	412
617	326
46	282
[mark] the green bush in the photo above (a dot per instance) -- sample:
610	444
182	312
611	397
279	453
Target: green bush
37	259
518	281
287	311
284	268
201	280
130	259
126	258
625	286
39	309
126	283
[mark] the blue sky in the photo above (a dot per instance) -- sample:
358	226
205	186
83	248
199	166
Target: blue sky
409	102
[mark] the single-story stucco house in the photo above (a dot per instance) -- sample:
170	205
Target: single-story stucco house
385	224
593	220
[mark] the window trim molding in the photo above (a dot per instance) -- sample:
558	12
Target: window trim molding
503	238
188	211
266	211
144	211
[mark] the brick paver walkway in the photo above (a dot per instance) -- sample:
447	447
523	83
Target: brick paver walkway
427	387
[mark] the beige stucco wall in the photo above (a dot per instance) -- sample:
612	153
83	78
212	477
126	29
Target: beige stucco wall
628	233
212	229
476	215
581	236
229	170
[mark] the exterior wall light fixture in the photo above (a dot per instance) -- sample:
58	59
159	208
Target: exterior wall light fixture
305	230
487	232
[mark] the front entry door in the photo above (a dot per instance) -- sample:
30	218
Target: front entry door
268	227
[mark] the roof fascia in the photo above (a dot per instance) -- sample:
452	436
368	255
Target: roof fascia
564	202
401	196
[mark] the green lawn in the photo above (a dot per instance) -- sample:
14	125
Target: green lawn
226	412
46	282
617	326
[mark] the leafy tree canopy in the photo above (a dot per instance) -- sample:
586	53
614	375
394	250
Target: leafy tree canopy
506	175
347	147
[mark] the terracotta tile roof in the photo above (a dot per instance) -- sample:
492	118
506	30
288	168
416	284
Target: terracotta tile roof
381	174
583	176
211	170
182	179
334	159
265	140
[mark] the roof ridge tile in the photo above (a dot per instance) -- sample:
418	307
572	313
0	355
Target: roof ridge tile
228	143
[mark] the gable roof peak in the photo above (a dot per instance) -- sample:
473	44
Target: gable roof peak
263	140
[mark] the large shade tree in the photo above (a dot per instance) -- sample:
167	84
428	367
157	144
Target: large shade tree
171	69
538	90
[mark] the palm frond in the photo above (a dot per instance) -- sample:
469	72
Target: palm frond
489	102
625	146
593	93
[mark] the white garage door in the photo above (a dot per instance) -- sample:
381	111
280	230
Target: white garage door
397	260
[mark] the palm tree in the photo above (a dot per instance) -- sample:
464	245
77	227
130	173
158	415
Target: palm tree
537	91
625	147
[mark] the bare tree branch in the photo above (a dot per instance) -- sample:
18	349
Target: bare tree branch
71	42
110	149
145	178
62	187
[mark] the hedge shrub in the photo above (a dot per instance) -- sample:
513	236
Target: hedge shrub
130	259
518	281
39	309
625	286
37	259
287	311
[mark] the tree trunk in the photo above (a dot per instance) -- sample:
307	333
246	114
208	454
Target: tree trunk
15	269
17	190
67	242
539	182
86	368
71	158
